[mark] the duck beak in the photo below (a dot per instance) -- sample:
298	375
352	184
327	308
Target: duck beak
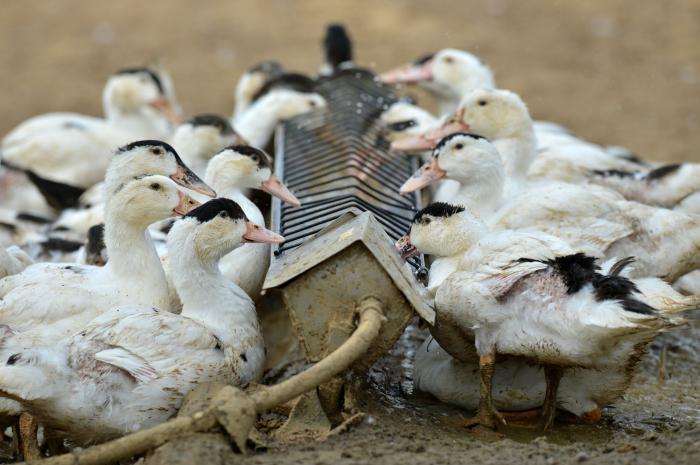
162	105
185	205
255	233
426	174
431	138
188	179
409	74
405	248
274	186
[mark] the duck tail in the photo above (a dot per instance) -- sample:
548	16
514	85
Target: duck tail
668	302
57	194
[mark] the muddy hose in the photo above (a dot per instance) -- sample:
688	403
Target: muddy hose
232	400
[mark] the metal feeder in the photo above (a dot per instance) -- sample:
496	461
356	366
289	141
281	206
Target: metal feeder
339	247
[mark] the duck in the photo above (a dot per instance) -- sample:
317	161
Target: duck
133	274
231	172
596	220
76	149
405	119
130	368
671	185
530	295
203	136
337	50
450	74
257	124
447	74
251	82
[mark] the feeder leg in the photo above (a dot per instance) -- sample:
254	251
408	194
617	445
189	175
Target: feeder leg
307	418
552	376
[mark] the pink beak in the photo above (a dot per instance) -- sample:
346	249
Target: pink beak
426	174
163	106
255	233
409	74
274	186
431	138
185	205
405	248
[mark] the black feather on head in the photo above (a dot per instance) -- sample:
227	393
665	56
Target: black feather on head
292	81
260	157
152	74
437	209
209	119
213	208
445	140
424	59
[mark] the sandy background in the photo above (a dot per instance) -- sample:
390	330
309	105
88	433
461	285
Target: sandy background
616	71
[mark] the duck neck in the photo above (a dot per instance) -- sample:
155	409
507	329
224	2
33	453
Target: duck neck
229	189
132	255
517	151
139	123
482	190
258	122
208	296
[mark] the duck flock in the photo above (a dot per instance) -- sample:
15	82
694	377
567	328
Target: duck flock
132	251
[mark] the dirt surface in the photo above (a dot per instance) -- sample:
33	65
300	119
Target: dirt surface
617	72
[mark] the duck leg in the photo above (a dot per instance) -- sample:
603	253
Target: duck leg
487	416
28	429
552	376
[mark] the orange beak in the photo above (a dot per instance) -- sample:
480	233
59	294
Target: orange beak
274	186
255	233
426	174
163	106
409	74
185	205
405	248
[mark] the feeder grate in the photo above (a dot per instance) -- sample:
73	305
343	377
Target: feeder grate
337	160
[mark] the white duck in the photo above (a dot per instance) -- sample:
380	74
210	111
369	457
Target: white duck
76	149
258	122
528	294
200	138
140	361
13	260
133	274
450	74
251	82
231	172
595	220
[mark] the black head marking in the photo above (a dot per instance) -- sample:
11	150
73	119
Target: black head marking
263	159
337	45
399	126
212	208
292	81
437	209
146	143
209	119
152	74
446	140
615	173
424	59
662	171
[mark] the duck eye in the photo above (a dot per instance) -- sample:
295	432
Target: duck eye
459	146
312	103
483	103
255	158
156	151
448	60
223	215
155	186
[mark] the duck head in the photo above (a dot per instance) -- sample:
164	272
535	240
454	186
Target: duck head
442	230
449	73
148	157
492	113
202	137
288	103
467	158
253	80
405	120
139	92
219	226
245	167
148	199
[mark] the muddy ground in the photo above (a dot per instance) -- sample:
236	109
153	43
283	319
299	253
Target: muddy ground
615	71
